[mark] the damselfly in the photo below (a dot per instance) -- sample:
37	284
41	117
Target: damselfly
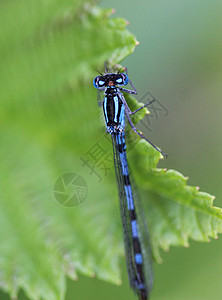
136	239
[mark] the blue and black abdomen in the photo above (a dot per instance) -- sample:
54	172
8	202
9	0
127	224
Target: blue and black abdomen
135	271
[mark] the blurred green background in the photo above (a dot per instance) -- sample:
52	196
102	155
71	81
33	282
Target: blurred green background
179	59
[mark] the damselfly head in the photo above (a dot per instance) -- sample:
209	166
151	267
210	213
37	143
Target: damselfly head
110	79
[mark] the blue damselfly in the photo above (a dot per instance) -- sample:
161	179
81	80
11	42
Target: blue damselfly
136	239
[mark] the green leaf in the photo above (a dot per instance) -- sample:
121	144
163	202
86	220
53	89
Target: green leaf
175	211
49	126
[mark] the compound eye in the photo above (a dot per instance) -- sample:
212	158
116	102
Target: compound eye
122	79
99	82
125	79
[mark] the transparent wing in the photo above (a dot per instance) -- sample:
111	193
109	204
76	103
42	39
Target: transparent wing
144	238
100	96
127	234
126	221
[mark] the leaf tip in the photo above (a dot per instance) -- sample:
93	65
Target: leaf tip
161	156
